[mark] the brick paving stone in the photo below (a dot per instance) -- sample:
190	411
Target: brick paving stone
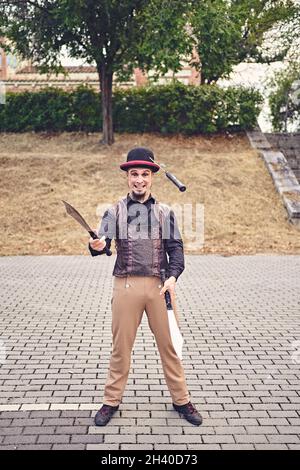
152	438
156	421
118	438
218	439
284	438
243	422
135	430
68	447
237	447
76	414
166	430
102	447
137	414
108	429
5	422
251	438
237	356
271	446
204	447
58	421
37	430
5	431
14	439
261	430
35	406
186	439
9	447
11	415
34	447
53	439
9	407
87	439
289	429
137	447
71	430
27	421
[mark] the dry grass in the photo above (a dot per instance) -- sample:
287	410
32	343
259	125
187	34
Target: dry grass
243	212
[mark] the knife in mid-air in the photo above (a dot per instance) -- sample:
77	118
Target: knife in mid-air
75	214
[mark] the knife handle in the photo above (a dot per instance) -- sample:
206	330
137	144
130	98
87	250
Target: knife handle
94	237
167	293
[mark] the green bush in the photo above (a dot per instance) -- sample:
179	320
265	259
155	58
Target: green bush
86	112
175	108
284	99
167	109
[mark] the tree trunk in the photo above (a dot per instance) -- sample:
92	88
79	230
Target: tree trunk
105	78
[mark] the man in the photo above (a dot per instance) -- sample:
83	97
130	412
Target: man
147	239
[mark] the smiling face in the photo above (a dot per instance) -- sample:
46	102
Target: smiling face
139	182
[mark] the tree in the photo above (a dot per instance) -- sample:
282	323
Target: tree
115	35
284	99
228	32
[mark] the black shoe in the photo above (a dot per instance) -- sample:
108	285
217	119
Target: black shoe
104	415
189	412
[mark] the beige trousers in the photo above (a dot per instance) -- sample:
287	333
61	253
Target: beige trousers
132	296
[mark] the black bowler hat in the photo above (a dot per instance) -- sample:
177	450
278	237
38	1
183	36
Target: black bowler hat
140	157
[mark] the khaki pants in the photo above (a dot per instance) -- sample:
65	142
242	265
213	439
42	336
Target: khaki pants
132	296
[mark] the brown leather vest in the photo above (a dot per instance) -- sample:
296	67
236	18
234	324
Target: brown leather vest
139	256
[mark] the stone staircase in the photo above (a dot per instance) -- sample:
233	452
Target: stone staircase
281	166
289	145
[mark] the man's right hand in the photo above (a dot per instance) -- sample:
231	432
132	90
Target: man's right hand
98	244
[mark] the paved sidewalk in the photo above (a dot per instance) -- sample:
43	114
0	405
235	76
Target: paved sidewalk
240	319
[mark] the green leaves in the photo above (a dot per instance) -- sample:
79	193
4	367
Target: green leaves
116	35
148	33
217	34
284	99
227	33
166	109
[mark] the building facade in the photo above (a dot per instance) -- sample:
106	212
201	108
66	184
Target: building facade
21	76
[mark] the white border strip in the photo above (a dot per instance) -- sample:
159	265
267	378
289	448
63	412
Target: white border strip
51	406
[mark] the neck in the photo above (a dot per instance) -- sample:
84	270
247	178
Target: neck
142	198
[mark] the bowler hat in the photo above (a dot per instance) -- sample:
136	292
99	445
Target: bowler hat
140	157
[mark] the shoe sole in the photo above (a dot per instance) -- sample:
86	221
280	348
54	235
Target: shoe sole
191	422
101	425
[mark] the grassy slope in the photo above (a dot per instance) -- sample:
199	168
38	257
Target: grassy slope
243	213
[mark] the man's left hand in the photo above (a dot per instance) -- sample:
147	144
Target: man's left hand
169	285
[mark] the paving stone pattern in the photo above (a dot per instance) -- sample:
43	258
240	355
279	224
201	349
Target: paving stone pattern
240	321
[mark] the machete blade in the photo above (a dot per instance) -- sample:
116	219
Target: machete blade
75	214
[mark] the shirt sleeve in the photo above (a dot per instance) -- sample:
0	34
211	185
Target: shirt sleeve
174	246
108	229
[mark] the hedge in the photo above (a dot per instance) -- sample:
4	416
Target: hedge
168	109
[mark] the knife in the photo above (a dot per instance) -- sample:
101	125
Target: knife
176	336
75	214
